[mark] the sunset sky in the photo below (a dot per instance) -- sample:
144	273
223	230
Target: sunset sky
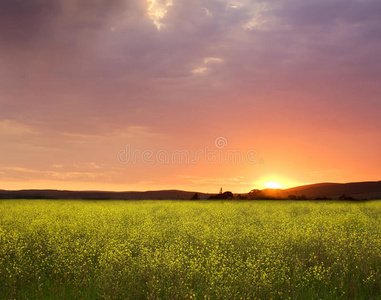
201	94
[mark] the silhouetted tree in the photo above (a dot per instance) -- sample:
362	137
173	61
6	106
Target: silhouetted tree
195	197
225	195
256	194
345	197
323	198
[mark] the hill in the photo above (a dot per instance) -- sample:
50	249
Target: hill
98	195
357	190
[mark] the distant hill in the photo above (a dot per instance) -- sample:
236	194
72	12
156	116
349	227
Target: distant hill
357	190
98	195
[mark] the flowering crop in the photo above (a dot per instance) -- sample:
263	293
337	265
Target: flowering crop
63	249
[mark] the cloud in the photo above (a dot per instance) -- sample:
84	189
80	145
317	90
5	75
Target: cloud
206	65
56	21
23	22
87	173
12	128
91	63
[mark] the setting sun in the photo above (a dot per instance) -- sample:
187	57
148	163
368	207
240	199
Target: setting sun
273	185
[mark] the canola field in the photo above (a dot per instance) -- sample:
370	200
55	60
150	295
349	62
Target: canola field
64	249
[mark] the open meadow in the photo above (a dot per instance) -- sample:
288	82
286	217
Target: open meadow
68	249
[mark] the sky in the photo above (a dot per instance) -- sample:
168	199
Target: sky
187	94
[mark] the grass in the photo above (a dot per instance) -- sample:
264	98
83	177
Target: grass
65	249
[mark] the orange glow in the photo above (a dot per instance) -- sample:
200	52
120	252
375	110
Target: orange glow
273	185
274	181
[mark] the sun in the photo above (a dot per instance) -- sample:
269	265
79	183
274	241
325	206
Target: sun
273	185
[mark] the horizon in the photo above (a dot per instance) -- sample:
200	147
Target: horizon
191	191
137	95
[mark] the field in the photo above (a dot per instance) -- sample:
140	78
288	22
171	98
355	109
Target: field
189	250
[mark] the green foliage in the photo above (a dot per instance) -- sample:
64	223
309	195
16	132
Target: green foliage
189	250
